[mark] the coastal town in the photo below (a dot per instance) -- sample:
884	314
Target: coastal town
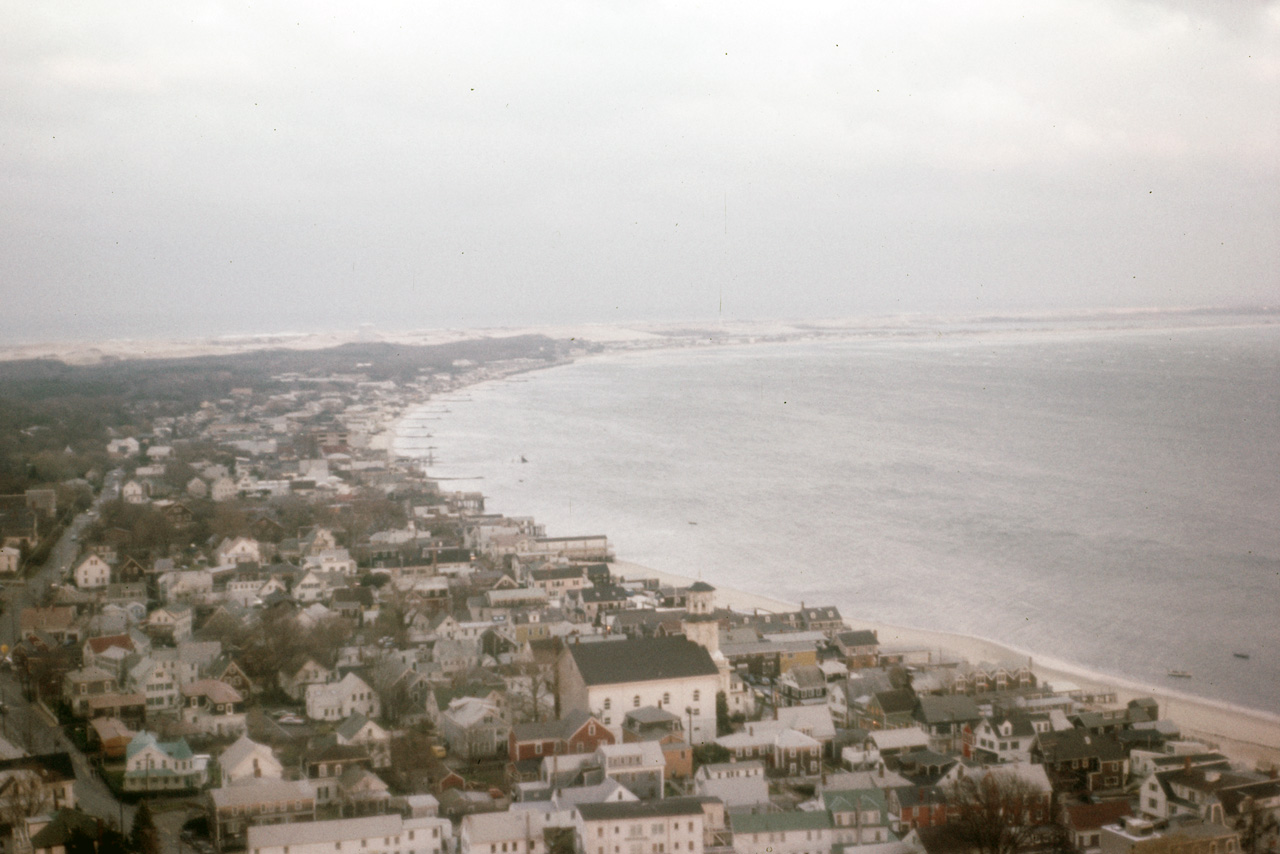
250	624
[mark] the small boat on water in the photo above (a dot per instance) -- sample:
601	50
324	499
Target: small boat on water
1240	654
1180	674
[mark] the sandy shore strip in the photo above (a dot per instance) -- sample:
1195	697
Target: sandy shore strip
1246	735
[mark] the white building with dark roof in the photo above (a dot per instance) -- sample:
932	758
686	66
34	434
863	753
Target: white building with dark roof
610	678
375	834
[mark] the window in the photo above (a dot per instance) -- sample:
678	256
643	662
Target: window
635	701
607	704
697	695
666	698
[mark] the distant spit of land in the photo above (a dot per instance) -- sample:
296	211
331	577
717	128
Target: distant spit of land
623	335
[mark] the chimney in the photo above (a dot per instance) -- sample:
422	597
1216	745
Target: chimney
1186	763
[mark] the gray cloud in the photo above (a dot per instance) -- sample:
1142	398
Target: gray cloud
216	168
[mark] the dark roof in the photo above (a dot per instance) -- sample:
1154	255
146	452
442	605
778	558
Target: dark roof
701	587
914	796
640	809
603	593
553	729
860	637
50	766
334	752
948	709
554	572
898	700
360	595
1075	744
65	825
641	660
821	614
1093	816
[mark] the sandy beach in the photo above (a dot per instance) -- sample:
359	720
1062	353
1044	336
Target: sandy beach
1248	736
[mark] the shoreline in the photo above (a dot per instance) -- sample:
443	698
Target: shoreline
1244	733
1247	735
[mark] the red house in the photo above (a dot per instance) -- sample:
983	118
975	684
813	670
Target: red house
917	806
577	732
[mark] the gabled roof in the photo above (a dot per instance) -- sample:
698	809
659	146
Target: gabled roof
216	691
947	709
173	749
351	727
1074	744
101	644
49	766
66	824
895	701
641	660
861	637
240	750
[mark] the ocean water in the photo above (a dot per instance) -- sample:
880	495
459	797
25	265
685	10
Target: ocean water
1108	498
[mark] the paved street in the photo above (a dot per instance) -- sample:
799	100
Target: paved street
25	724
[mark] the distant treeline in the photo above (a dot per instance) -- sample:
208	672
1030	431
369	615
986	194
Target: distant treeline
47	406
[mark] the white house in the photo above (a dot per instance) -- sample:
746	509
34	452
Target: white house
248	760
338	700
517	832
224	489
155	766
609	678
331	560
172	622
375	834
134	492
157	683
92	572
194	585
123	447
295	680
10	558
473	727
673	824
361	731
238	550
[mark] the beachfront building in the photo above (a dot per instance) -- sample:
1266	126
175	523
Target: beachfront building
609	678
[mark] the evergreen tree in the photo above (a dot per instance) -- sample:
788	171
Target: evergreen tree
144	838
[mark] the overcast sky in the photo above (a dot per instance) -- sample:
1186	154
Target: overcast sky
183	168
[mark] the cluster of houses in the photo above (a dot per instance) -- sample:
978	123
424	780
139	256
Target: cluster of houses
499	691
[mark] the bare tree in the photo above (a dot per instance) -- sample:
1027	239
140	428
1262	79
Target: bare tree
531	688
23	795
997	812
1256	823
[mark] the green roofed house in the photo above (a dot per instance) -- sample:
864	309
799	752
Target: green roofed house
160	766
861	816
782	832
